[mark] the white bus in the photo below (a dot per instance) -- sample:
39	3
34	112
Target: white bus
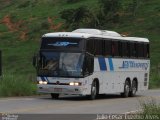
91	62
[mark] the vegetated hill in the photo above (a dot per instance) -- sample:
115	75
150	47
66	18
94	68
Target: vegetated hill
23	22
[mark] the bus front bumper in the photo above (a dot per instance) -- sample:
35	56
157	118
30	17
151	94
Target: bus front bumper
61	89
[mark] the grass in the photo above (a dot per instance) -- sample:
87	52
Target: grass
150	107
154	80
17	53
150	110
18	73
16	85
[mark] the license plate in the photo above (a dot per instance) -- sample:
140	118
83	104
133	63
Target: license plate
57	89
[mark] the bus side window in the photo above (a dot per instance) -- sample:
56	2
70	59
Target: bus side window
125	50
115	51
120	48
140	48
133	49
107	48
90	46
98	47
128	50
146	51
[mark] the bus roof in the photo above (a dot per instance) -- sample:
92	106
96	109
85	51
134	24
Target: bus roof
95	33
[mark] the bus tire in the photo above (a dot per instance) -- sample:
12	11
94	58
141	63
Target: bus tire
54	95
125	94
133	89
93	90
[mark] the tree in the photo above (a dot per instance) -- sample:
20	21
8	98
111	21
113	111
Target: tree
75	17
109	10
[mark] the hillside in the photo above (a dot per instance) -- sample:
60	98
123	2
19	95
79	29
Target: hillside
23	22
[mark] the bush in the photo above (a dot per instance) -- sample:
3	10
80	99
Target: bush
109	6
45	25
109	11
74	18
24	4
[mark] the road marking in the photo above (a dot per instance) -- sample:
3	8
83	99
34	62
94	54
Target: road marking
15	99
134	111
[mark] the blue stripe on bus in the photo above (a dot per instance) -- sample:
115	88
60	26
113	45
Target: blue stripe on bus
111	64
43	79
102	63
46	79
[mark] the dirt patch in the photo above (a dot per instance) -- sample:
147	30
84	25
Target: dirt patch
12	26
53	26
125	33
15	26
23	35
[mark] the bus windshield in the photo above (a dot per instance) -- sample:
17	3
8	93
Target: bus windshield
61	64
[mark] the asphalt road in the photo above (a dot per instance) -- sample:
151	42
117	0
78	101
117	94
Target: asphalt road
105	104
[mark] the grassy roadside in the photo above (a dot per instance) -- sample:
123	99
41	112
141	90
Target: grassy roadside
15	85
154	82
150	107
149	110
19	76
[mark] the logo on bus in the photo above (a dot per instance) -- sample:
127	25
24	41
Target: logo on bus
133	64
59	44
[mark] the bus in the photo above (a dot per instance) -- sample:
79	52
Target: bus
91	62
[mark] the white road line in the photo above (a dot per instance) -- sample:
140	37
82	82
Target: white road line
15	99
134	111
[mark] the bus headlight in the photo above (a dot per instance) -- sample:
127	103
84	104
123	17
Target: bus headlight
42	82
45	82
71	83
75	83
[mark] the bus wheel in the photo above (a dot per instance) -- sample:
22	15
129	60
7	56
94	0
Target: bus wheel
54	95
93	90
126	90
133	89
